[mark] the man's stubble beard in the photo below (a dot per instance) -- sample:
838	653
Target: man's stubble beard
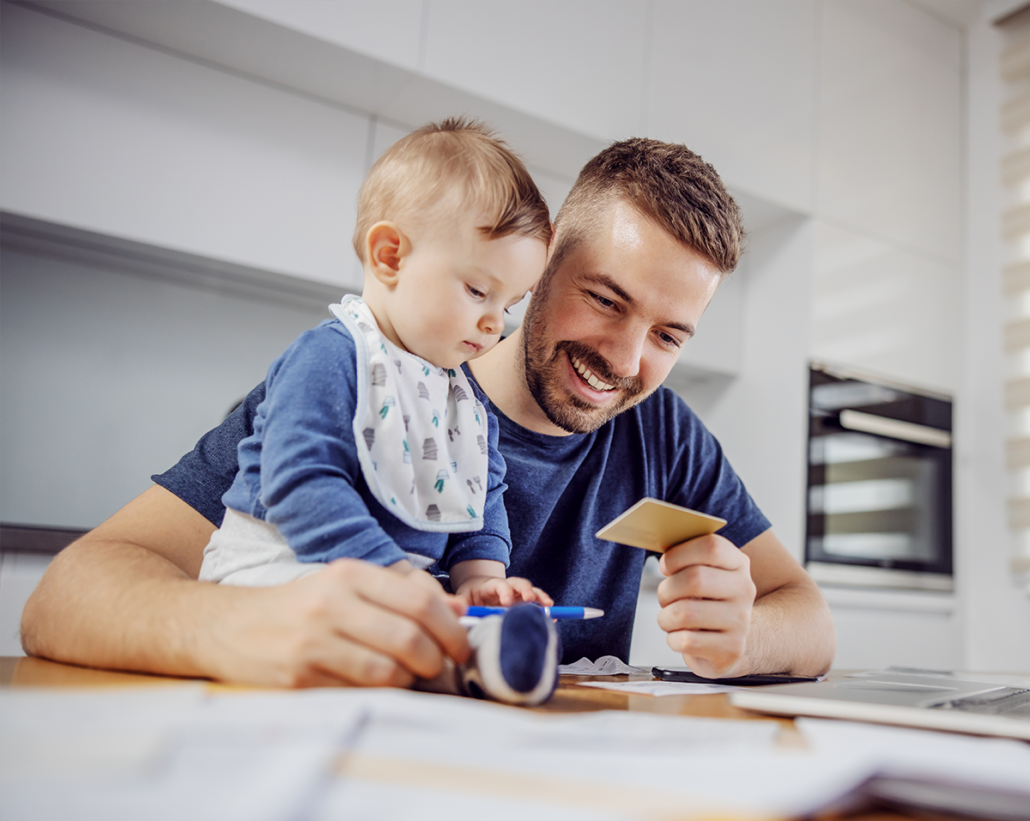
542	367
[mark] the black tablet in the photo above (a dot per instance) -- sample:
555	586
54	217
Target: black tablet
683	674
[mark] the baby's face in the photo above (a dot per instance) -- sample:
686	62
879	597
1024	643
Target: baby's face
454	287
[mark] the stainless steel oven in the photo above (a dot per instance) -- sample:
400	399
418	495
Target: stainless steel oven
879	483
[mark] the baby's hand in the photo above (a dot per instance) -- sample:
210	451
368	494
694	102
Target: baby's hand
525	591
491	591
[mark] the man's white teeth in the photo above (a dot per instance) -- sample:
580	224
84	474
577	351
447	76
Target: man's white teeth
589	378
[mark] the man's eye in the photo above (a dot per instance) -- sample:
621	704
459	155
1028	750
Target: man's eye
602	301
669	341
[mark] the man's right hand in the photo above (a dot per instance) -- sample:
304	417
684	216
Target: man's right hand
352	623
125	597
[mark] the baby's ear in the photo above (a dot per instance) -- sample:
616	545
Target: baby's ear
385	247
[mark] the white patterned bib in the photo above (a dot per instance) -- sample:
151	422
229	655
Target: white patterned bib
421	434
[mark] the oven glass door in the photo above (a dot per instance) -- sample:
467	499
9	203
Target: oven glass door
879	502
879	478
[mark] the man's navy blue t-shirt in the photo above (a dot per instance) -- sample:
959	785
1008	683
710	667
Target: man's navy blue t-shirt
561	491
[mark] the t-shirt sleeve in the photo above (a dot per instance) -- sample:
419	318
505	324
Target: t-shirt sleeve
701	477
493	541
202	476
309	462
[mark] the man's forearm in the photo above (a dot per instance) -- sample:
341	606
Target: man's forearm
118	605
791	632
125	596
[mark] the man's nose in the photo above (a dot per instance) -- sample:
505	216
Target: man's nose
624	349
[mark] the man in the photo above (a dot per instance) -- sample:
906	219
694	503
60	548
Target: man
641	245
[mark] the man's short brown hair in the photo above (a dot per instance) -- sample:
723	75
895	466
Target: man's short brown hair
670	185
449	167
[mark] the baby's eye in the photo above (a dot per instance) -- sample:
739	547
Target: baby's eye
474	292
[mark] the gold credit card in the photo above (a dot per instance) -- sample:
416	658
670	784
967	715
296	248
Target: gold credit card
656	525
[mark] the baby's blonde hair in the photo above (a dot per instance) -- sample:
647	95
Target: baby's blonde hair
458	164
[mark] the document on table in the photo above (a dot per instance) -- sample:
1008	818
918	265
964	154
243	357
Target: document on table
929	770
661	688
166	753
190	752
609	764
186	752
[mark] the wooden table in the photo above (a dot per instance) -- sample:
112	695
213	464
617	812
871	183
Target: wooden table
569	698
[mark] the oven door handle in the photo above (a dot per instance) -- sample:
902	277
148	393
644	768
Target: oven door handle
894	429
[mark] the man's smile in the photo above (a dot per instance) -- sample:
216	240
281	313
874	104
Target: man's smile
588	376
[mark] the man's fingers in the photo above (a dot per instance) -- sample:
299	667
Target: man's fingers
702	614
392	636
707	654
706	601
359	666
704	582
711	551
695	643
355	629
418	607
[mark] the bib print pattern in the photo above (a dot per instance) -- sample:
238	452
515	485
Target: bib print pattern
420	432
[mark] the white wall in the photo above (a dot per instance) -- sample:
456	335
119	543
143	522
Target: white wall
110	376
241	132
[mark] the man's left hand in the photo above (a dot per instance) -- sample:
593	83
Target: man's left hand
706	601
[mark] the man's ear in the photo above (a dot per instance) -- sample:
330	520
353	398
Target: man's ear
385	248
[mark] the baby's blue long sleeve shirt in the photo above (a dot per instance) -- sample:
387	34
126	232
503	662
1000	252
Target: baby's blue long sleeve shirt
299	470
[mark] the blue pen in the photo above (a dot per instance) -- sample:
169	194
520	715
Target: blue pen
553	612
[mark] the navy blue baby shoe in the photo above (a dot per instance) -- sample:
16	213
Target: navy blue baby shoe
514	659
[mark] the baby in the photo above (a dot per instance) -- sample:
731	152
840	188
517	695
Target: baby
371	442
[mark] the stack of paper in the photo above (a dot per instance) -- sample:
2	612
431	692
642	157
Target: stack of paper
924	769
188	752
165	753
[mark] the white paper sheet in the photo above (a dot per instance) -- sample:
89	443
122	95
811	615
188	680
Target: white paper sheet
927	755
170	753
661	688
613	763
379	800
166	753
